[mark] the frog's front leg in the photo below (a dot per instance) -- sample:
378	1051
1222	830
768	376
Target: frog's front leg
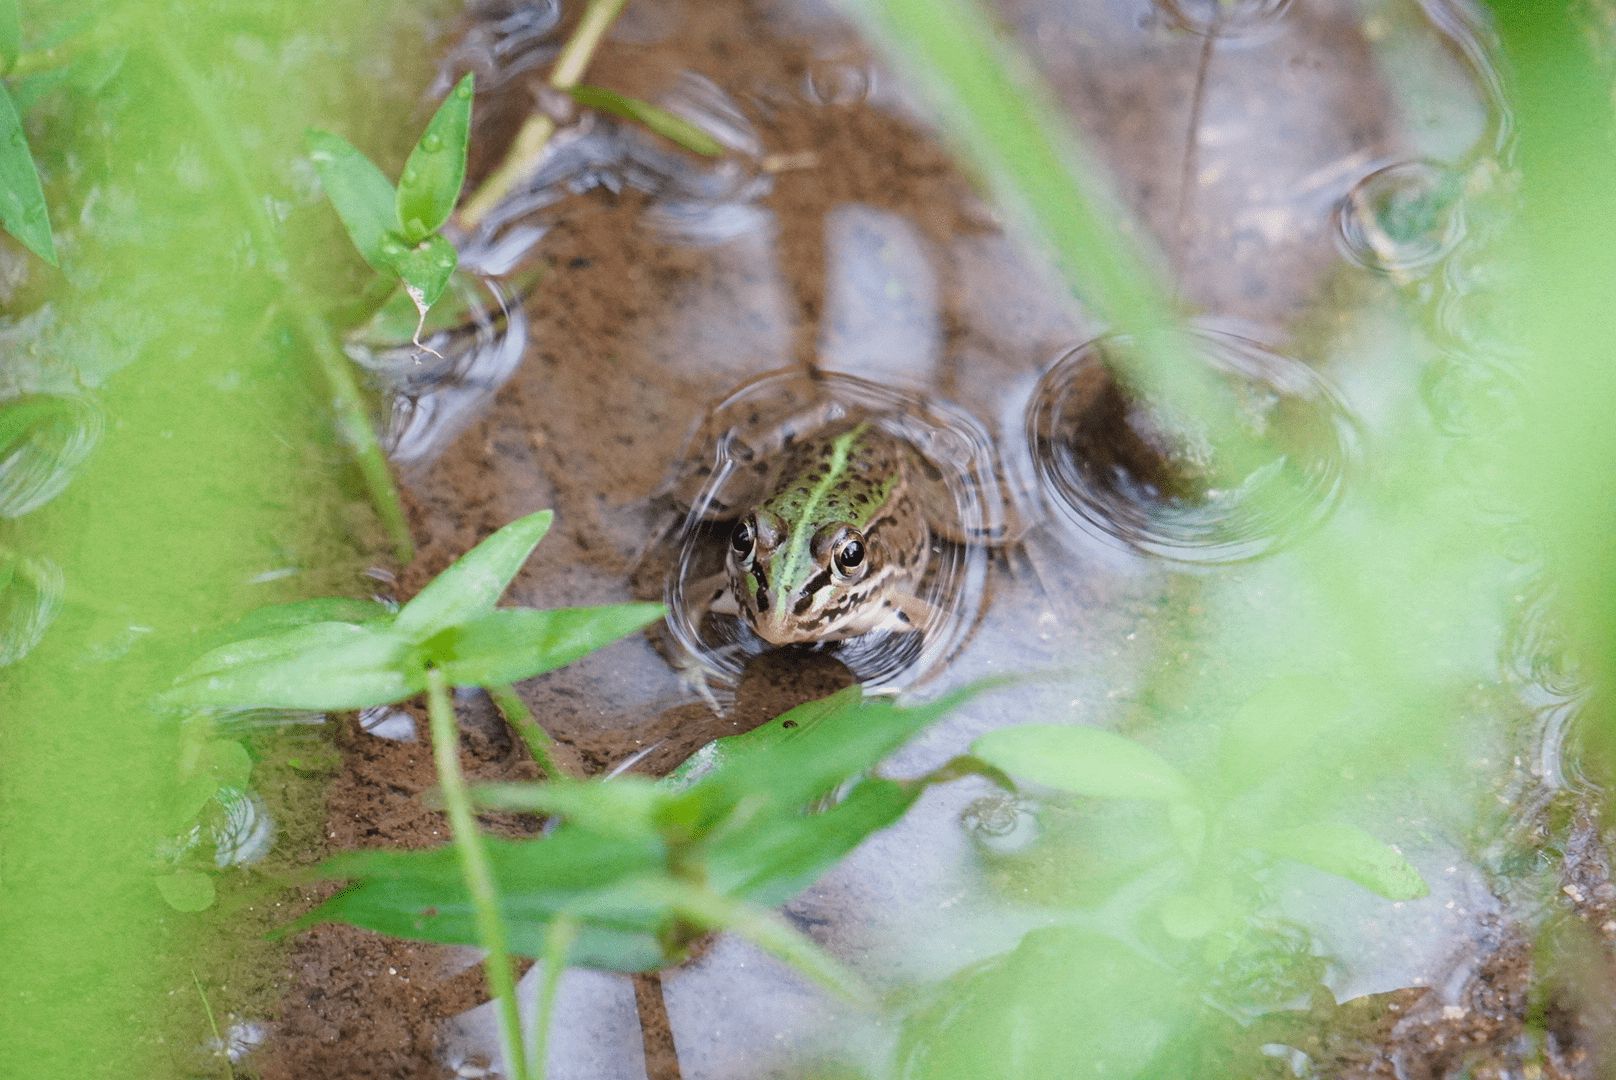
712	593
898	613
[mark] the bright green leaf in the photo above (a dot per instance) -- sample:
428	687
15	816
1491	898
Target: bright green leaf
772	858
659	120
1276	724
430	185
186	801
186	890
22	200
506	646
360	193
732	749
1065	1003
425	270
471	587
273	618
10	34
227	762
1082	760
600	879
1350	853
622	807
837	739
328	665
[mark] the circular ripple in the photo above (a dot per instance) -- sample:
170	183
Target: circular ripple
720	477
1403	219
43	441
1220	18
1121	472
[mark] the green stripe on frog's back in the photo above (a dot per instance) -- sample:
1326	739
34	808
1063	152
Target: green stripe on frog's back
822	486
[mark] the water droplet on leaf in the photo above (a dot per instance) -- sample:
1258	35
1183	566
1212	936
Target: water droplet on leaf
432	144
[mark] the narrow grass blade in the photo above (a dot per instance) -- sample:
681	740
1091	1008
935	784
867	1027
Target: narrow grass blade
659	120
22	200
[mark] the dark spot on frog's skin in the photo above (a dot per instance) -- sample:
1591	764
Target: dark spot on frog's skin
802	491
862	499
788	723
579	263
903	618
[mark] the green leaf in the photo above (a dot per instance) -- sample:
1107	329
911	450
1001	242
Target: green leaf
327	665
186	890
227	762
626	806
1276	724
732	749
774	857
274	618
1350	853
430	185
600	879
835	739
22	200
1082	760
471	587
506	646
1065	1003
10	34
659	120
363	198
425	270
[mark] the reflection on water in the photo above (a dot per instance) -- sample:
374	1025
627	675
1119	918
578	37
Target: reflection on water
31	591
1402	219
1224	18
43	440
1124	471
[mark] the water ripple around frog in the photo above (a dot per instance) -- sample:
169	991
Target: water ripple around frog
731	450
1119	471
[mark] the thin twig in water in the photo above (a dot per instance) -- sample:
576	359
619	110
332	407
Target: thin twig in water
528	147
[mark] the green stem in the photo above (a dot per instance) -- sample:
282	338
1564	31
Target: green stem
522	721
352	423
523	156
768	931
213	1025
557	940
479	876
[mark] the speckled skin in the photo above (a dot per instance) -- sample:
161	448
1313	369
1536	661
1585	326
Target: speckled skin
851	484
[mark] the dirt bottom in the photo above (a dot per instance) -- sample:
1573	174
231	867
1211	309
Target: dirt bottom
357	1005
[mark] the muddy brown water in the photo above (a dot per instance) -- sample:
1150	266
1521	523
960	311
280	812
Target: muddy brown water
850	241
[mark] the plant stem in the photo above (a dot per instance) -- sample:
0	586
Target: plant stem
557	940
523	157
768	931
538	741
213	1025
479	877
352	423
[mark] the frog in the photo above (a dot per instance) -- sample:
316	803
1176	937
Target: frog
837	542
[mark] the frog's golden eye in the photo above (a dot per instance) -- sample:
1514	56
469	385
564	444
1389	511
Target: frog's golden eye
743	541
849	556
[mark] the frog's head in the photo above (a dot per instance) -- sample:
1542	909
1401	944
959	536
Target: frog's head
805	584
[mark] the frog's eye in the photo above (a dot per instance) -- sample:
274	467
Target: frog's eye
743	539
850	556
